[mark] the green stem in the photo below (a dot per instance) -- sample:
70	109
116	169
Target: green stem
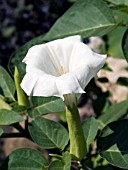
78	148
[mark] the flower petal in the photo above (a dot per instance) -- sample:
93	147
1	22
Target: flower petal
68	83
83	55
86	66
38	83
50	57
83	74
28	83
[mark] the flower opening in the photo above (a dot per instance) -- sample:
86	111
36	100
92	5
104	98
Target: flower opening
60	67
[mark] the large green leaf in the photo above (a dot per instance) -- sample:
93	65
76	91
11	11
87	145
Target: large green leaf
86	18
48	134
113	143
1	131
125	45
114	113
17	56
8	117
119	2
6	84
90	128
27	159
44	105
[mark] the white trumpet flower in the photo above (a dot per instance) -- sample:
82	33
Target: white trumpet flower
60	67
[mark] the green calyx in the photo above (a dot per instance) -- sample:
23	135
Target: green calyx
78	148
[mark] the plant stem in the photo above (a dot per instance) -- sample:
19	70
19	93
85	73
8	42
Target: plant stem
18	127
78	148
16	135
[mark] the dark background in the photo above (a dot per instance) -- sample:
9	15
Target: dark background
22	20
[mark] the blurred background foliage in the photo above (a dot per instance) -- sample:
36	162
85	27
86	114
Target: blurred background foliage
22	20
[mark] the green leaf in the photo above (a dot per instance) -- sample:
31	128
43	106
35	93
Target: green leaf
64	164
19	109
27	159
119	2
113	143
115	112
120	17
8	117
66	159
4	104
115	42
90	128
125	45
44	105
116	36
58	165
22	98
123	81
6	84
1	131
48	134
84	18
17	56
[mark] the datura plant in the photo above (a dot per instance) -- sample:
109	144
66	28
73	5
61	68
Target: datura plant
62	68
50	73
